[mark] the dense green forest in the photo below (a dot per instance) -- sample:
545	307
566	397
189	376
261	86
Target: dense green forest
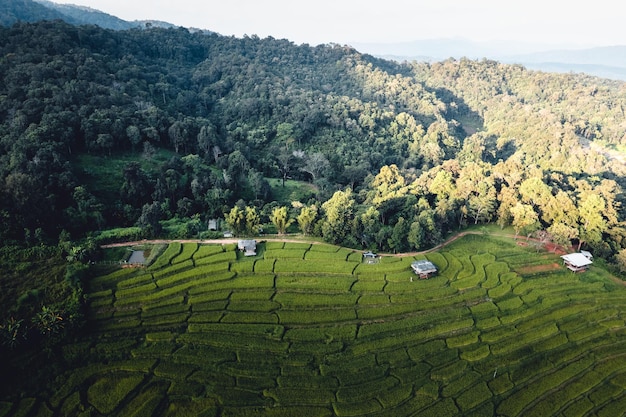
103	129
416	149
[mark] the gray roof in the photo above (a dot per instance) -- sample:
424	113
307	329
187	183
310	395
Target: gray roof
423	266
577	259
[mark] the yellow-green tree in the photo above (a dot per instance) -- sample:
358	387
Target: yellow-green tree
280	218
525	219
591	224
253	221
306	219
236	220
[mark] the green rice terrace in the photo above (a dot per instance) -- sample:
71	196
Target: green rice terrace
311	330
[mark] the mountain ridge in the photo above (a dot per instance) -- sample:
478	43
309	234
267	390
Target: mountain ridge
605	61
602	61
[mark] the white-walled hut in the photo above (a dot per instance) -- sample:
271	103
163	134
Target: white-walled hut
424	268
576	262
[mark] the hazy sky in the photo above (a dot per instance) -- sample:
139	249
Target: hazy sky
552	22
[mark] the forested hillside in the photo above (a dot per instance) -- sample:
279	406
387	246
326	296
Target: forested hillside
399	154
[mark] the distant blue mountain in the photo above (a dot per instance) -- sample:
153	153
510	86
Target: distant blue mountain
606	62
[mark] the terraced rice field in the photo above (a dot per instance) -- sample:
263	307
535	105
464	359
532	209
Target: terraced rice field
309	330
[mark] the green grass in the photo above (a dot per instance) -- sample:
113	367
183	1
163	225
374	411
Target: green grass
292	191
310	332
105	173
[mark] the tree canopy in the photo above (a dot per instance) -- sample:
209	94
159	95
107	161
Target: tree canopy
102	129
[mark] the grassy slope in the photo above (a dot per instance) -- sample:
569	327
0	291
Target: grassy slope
103	175
502	329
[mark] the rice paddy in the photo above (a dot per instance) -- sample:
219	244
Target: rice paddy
308	330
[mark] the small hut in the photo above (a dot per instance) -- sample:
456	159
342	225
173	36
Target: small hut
424	268
576	262
248	247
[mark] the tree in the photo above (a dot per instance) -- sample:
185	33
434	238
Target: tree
620	260
416	234
260	186
306	219
560	209
370	223
398	239
388	184
591	224
136	188
149	221
535	191
134	135
284	159
339	211
206	139
525	219
280	219
316	165
253	221
236	220
562	233
508	199
482	203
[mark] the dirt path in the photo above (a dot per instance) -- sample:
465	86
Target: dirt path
222	241
554	248
287	239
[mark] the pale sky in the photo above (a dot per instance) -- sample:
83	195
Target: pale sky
573	23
